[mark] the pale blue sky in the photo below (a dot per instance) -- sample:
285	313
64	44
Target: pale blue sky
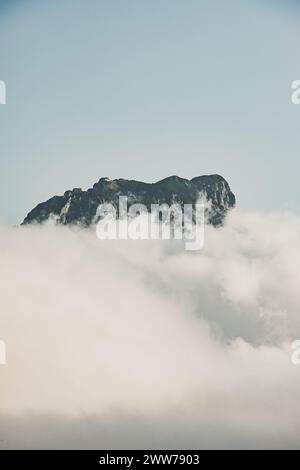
148	88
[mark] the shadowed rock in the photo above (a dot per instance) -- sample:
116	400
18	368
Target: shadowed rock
80	207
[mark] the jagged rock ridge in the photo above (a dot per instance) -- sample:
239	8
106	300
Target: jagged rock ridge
79	207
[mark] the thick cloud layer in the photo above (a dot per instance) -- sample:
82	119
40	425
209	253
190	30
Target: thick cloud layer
142	344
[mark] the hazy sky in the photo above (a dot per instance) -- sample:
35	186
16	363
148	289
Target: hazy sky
147	88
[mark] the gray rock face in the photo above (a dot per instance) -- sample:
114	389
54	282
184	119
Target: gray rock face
80	207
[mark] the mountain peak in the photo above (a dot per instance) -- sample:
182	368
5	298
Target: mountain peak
80	207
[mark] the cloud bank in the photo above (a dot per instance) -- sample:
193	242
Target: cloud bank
140	344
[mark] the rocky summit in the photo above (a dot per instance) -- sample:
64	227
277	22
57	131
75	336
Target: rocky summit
80	207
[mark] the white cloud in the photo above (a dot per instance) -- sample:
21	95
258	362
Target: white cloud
140	344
